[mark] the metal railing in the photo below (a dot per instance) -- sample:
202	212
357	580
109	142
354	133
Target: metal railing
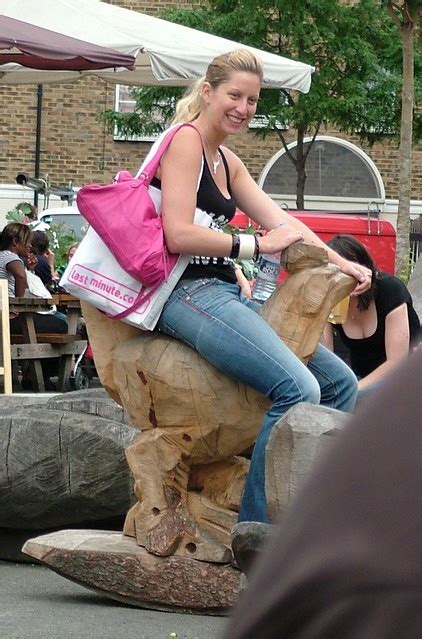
415	247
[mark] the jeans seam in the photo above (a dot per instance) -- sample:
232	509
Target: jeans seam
254	346
328	378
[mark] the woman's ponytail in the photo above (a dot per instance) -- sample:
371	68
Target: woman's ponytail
189	106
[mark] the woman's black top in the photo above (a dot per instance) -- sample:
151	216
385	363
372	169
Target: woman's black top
368	353
221	209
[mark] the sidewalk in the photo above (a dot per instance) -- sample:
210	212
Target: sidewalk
37	603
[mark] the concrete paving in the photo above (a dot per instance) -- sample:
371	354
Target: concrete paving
37	603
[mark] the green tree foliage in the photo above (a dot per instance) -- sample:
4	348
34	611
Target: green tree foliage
353	46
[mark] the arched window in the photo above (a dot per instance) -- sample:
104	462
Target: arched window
335	169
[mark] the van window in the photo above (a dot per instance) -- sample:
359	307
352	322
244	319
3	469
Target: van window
73	221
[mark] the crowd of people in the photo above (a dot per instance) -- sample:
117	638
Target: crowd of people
27	263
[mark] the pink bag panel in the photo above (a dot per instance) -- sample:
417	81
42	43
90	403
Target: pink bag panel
124	216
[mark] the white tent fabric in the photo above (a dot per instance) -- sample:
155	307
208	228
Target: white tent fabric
166	53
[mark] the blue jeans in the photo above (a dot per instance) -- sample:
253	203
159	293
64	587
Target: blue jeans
215	319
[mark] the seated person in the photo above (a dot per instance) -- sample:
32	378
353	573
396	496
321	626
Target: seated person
36	288
381	324
15	245
70	253
45	258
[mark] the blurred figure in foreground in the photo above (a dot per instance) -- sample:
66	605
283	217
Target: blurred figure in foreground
346	561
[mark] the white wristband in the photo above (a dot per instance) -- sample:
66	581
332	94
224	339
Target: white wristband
247	247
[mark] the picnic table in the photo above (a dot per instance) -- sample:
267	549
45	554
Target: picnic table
33	347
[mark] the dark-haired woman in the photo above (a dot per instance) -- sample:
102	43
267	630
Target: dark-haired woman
45	258
381	324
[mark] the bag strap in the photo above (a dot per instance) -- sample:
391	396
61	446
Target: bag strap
149	170
148	173
141	299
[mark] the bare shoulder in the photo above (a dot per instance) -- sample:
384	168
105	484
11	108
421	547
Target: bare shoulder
183	154
187	139
234	162
186	145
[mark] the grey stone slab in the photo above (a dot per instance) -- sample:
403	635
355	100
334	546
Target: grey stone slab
21	400
295	443
59	468
94	401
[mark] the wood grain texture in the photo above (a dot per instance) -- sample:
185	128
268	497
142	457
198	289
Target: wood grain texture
191	415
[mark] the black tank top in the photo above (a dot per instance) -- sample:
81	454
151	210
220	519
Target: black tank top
221	209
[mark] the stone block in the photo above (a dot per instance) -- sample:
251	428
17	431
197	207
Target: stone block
294	444
59	468
18	400
95	401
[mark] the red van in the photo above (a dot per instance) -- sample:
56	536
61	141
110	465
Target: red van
379	236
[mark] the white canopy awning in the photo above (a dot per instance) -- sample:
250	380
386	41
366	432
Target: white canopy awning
166	53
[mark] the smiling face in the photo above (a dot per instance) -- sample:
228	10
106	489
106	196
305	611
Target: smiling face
232	104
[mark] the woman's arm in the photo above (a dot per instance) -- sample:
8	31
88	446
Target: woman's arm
397	338
16	268
260	207
179	172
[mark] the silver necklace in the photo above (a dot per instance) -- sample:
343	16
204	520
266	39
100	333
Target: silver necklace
216	162
216	159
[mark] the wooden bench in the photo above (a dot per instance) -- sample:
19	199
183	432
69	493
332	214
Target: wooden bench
6	364
34	347
46	338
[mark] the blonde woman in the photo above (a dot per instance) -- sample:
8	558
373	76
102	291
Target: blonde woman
207	310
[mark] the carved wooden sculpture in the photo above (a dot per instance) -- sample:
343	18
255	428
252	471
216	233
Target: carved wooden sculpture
194	420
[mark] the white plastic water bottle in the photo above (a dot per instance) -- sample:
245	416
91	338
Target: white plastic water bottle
267	276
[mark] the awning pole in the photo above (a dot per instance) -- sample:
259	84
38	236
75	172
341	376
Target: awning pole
38	139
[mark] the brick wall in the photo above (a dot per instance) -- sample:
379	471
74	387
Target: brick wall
75	146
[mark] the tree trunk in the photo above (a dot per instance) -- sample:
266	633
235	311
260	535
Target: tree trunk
405	177
301	173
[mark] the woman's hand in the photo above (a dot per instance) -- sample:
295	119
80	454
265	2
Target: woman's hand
361	273
245	285
31	261
278	239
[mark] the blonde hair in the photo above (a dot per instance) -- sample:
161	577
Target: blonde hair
219	70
